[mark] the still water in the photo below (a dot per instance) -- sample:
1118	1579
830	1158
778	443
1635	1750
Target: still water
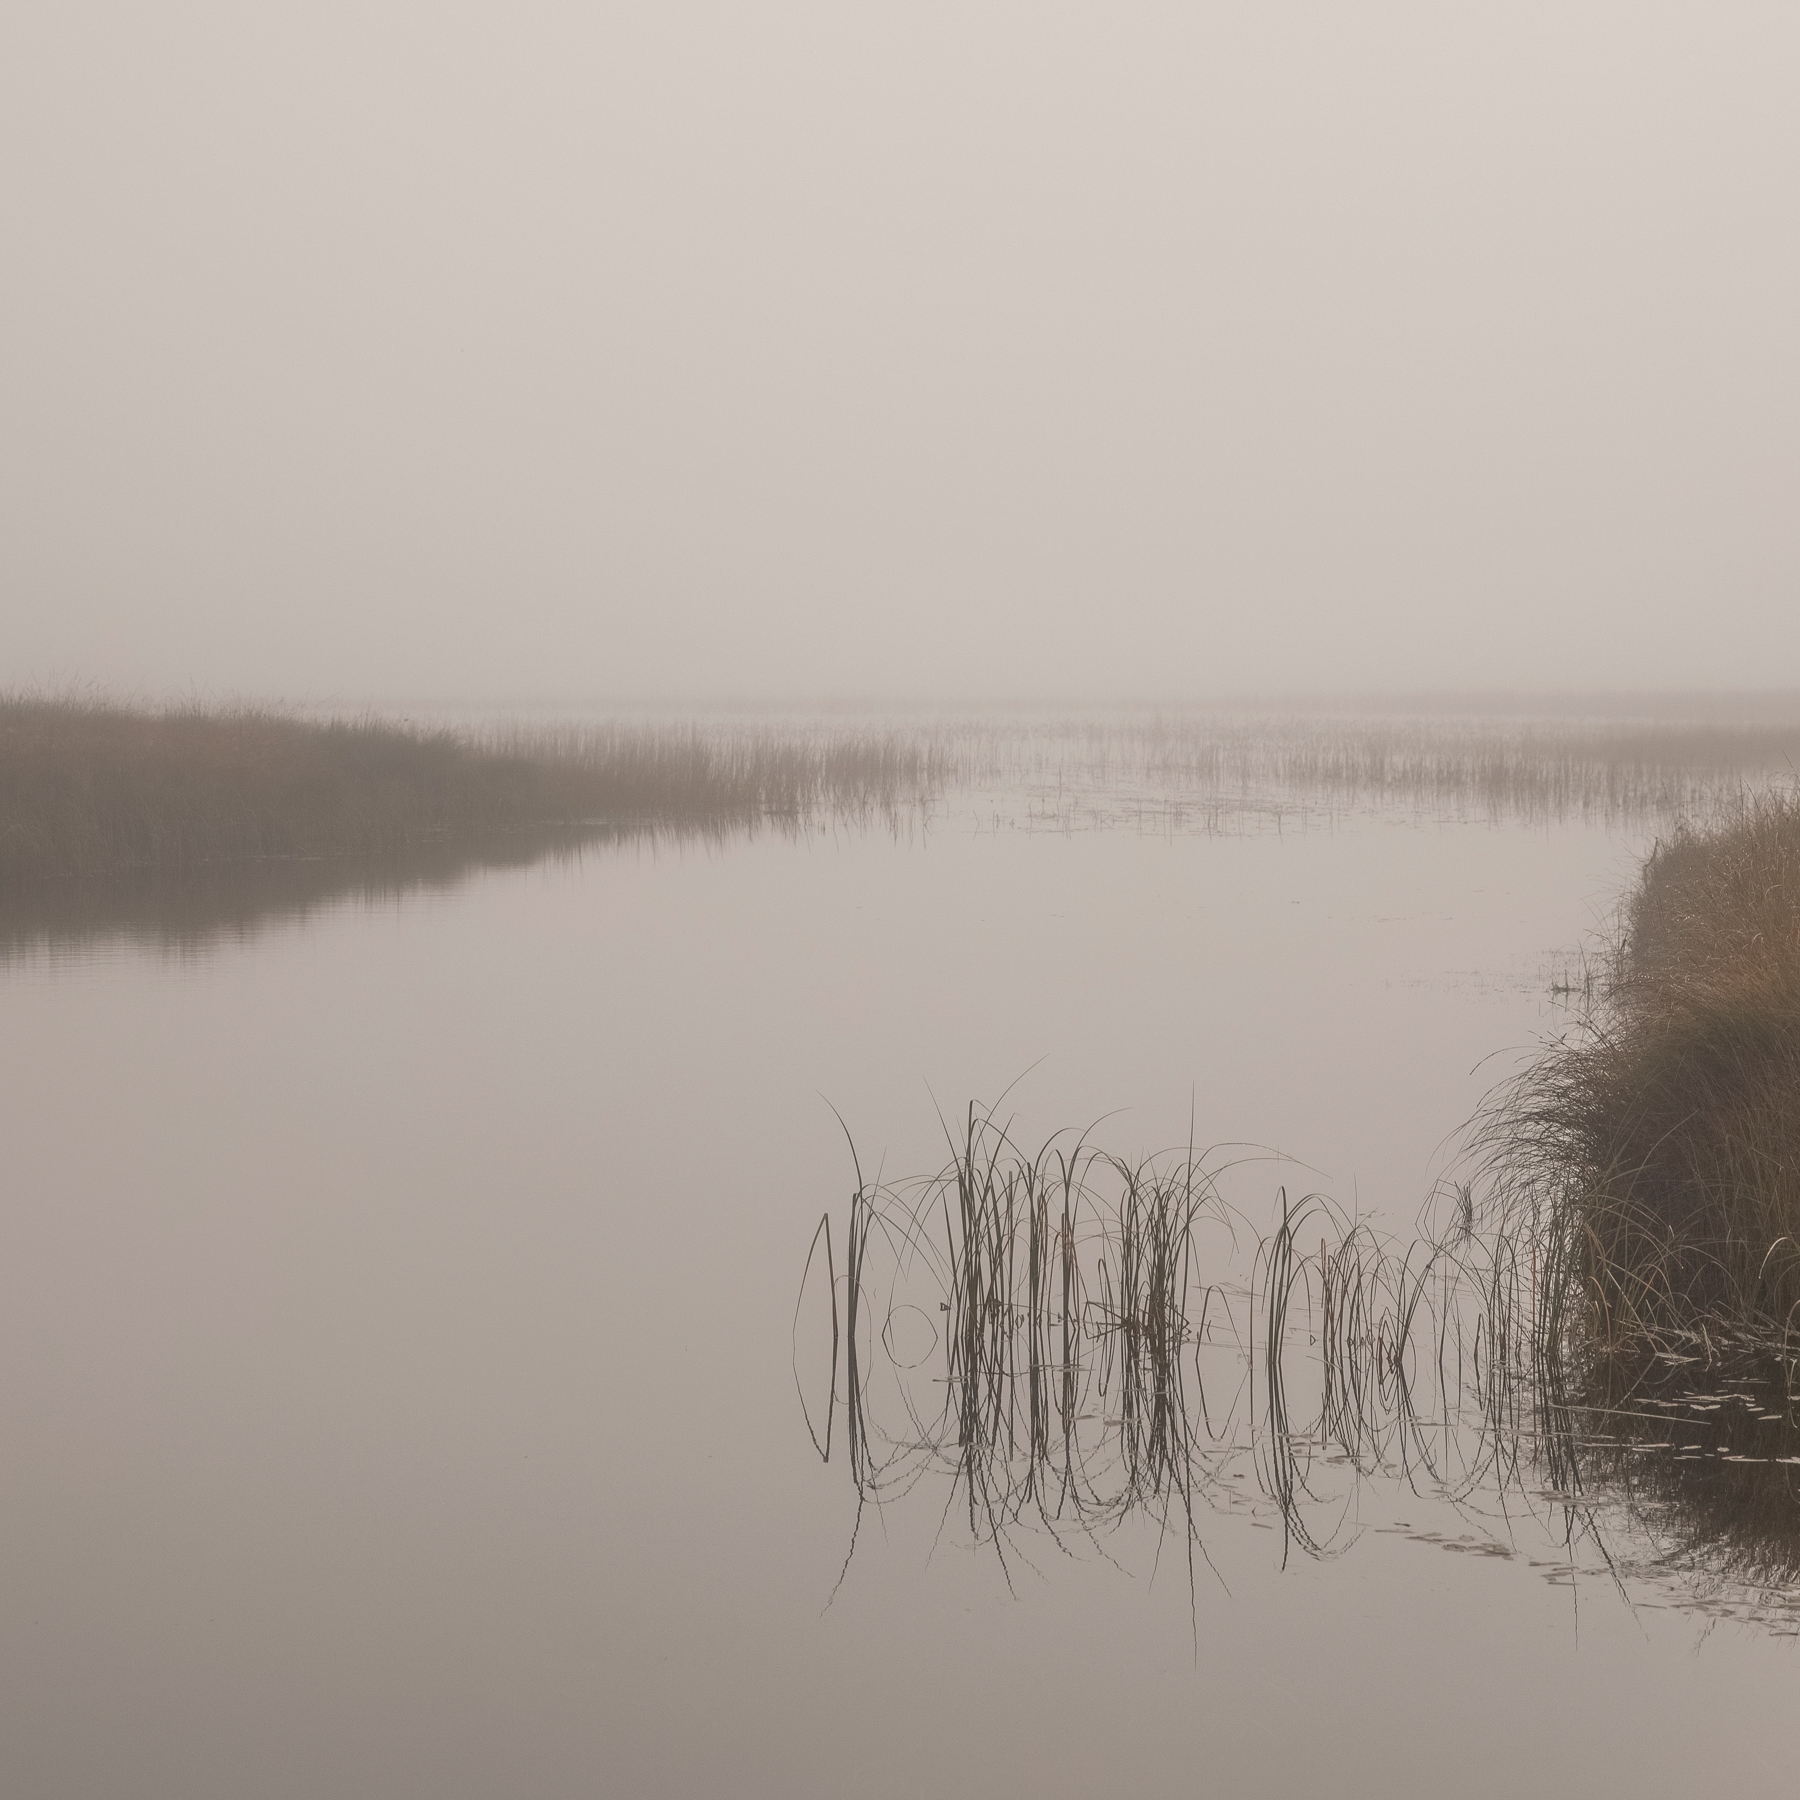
397	1336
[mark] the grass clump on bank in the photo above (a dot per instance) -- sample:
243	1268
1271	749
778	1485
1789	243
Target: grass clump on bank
1658	1145
93	788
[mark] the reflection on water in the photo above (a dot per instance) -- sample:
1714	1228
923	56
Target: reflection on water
1047	1345
1688	1459
190	910
1200	773
397	1337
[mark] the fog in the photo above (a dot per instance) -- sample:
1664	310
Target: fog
708	350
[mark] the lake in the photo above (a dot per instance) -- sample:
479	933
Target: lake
401	1380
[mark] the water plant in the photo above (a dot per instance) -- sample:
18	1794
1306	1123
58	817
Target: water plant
1115	1342
1653	1151
1081	1299
89	787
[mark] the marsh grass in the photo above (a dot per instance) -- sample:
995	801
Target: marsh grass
1655	1148
90	788
1052	1287
1223	772
1110	1341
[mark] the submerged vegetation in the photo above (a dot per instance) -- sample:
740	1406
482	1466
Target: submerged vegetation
92	788
1655	1150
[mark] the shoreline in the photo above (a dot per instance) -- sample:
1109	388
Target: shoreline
92	789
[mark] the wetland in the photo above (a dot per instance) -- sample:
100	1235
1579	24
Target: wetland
470	1318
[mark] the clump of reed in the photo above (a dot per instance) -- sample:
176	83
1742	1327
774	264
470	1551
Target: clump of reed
1067	1340
91	787
1077	1306
1656	1147
1063	1281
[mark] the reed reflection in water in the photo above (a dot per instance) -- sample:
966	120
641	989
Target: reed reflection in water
1052	1345
709	781
191	910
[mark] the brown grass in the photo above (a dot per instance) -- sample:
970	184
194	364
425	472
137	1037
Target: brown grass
1660	1142
94	788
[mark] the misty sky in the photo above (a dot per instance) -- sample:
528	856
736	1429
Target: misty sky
801	350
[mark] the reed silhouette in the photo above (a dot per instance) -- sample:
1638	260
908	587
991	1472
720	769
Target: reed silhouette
1114	1341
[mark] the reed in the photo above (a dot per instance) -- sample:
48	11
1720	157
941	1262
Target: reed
92	787
1656	1147
1223	771
1116	1344
89	787
1082	1298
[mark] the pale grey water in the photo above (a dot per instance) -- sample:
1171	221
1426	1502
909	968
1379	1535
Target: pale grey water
395	1360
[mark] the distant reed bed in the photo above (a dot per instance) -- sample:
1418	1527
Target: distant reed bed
1216	771
91	787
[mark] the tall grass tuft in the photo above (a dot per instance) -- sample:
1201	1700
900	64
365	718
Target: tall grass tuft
1657	1145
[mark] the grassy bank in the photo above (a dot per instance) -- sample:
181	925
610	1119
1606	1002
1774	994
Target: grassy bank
94	788
1658	1146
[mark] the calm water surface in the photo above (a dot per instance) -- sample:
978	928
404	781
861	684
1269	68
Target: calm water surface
396	1360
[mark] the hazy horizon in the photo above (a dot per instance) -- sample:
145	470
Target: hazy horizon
1672	706
695	354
